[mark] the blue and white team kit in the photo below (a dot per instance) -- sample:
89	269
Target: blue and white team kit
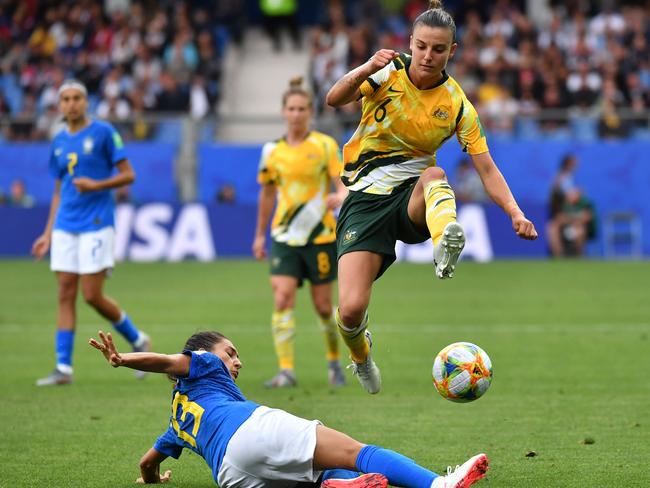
83	232
246	445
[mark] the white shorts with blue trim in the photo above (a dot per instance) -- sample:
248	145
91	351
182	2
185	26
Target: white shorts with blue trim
272	449
82	252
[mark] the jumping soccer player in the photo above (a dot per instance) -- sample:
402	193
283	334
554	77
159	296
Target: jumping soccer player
411	106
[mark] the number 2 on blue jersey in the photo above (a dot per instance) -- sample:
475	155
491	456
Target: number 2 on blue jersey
192	408
73	159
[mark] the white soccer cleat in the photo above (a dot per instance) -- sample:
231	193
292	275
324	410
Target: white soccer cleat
368	372
284	379
448	249
55	378
144	345
465	475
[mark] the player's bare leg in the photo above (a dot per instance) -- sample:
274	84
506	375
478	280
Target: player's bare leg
433	205
283	327
321	295
66	322
357	272
92	289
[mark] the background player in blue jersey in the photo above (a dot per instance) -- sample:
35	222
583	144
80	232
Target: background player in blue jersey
79	230
251	446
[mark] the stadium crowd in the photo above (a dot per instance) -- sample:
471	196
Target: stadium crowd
133	56
592	57
141	56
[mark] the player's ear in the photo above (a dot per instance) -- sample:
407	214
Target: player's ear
452	50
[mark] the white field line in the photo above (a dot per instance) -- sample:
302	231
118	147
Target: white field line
256	328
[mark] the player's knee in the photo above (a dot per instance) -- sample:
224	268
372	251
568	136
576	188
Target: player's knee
92	298
350	451
323	309
282	300
145	463
324	313
433	173
351	312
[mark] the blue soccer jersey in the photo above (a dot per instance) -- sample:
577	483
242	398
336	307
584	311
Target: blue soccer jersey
92	152
207	409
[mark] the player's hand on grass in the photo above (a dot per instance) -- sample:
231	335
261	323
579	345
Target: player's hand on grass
107	348
84	184
259	248
41	246
382	58
164	478
524	227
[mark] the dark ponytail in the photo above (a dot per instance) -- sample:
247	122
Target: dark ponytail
436	16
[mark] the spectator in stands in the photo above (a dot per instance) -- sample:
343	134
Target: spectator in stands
571	214
22	127
18	196
199	101
181	57
5	110
229	17
49	123
209	64
280	14
171	98
611	124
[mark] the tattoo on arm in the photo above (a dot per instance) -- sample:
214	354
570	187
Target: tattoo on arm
353	79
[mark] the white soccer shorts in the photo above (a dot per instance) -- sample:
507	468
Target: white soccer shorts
272	449
83	252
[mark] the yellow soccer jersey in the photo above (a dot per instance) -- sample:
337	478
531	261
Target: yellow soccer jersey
402	127
302	175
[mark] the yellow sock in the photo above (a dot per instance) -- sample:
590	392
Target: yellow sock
284	329
440	207
331	338
355	338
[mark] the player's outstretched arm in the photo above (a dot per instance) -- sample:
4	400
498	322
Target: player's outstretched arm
174	364
150	468
496	186
346	89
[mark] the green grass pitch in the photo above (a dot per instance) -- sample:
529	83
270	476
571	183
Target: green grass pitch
569	342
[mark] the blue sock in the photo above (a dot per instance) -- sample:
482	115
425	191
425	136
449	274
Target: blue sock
64	343
339	474
400	470
126	328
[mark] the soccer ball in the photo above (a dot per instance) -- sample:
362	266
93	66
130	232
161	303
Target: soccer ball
462	372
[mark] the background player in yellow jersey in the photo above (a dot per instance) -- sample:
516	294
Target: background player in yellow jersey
300	169
411	106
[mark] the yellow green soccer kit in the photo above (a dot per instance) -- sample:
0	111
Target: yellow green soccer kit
402	127
302	175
